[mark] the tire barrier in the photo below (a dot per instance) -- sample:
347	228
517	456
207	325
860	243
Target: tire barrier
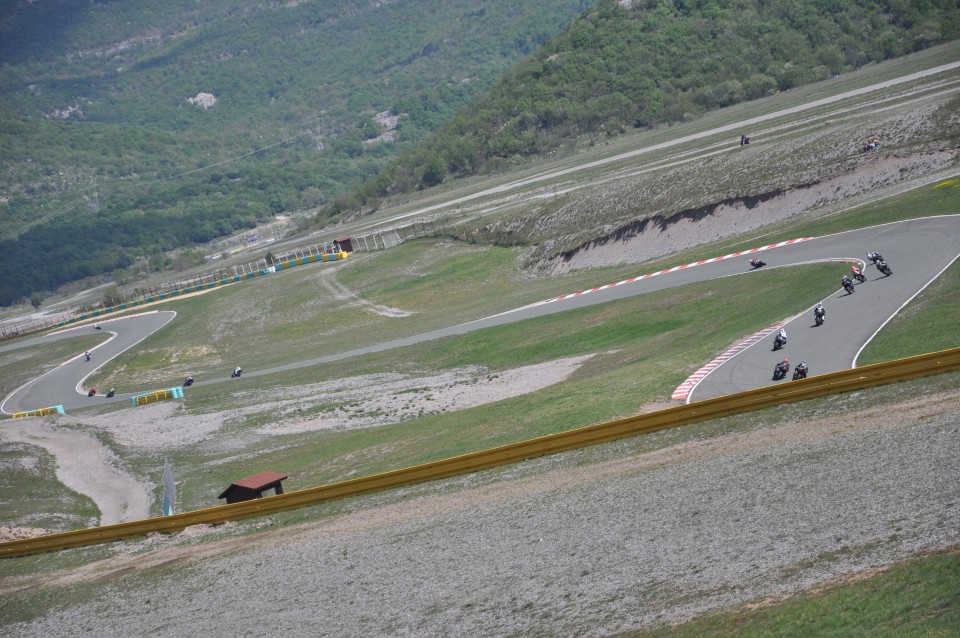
717	407
337	256
156	395
302	261
55	409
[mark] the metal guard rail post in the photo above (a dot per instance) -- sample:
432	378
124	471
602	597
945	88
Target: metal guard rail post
718	407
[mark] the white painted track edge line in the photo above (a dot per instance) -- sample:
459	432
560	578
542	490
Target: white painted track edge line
897	311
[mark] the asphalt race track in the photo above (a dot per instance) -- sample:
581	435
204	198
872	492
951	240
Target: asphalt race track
917	251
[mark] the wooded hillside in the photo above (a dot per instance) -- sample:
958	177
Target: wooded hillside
637	64
129	129
112	153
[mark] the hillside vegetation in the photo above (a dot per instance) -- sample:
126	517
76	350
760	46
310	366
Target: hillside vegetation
129	132
106	160
637	64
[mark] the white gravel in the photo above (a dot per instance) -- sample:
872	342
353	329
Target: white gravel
556	548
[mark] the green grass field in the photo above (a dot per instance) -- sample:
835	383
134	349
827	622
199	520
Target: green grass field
913	598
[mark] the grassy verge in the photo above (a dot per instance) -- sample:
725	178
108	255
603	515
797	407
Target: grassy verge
643	347
913	598
927	324
302	314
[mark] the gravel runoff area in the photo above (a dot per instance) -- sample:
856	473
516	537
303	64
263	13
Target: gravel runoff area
88	467
589	543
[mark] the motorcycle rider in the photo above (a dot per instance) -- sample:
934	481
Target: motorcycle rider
847	283
800	372
782	368
91	392
757	263
781	339
188	382
857	273
87	355
111	392
236	372
874	257
820	311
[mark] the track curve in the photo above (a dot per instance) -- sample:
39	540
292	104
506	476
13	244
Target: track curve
852	320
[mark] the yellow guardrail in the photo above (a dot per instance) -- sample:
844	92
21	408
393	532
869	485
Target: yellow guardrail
790	392
54	409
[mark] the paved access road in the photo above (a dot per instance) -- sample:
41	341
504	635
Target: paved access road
917	251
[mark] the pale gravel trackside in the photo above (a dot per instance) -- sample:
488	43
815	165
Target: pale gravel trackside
85	466
556	548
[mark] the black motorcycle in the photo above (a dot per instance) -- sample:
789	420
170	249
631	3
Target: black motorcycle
189	382
757	263
819	317
884	268
780	370
799	372
848	286
111	393
235	373
91	392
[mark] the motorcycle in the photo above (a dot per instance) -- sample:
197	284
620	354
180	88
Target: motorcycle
779	341
780	370
848	286
884	268
111	393
819	317
235	373
757	263
800	372
87	355
858	275
189	382
91	392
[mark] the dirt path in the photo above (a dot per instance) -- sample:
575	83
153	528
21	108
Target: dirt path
87	467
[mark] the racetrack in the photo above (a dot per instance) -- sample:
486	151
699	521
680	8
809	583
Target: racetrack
852	320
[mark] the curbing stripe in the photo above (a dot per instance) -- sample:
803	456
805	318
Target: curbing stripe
674	269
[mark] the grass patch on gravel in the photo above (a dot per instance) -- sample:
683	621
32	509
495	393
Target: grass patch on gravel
30	470
913	598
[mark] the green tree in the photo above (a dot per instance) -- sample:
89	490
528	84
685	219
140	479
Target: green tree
36	299
112	297
434	172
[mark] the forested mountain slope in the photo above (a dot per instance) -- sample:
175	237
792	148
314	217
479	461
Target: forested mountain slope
637	63
109	132
128	129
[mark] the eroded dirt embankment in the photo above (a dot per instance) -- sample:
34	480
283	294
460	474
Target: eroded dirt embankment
654	237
